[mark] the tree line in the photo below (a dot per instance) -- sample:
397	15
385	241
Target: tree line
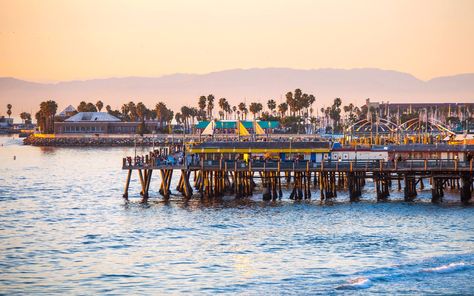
295	114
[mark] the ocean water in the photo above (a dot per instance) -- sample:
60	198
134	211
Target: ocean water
64	228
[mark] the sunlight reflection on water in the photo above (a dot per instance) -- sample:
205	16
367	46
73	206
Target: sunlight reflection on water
65	228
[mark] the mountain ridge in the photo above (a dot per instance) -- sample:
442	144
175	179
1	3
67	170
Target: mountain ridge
254	84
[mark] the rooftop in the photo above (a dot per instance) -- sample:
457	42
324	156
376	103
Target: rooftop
92	116
68	109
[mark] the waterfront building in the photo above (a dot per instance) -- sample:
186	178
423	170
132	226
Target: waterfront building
6	122
67	112
99	123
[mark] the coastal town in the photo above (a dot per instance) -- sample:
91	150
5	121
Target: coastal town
298	116
338	148
307	147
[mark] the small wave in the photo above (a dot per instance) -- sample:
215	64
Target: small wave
224	226
451	267
357	283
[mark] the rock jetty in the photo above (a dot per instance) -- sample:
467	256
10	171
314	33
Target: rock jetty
97	141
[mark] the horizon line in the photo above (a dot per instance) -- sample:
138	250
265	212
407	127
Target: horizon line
52	82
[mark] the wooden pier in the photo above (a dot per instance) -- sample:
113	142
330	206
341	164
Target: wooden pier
216	178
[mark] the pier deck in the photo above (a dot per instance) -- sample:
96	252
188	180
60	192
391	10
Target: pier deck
213	178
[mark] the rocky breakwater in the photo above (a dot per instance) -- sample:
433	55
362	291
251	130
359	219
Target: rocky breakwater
36	140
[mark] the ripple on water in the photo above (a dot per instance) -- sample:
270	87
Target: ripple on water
65	229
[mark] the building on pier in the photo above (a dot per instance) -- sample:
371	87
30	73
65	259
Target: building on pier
238	168
431	152
314	151
230	126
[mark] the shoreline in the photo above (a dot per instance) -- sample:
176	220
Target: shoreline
129	140
97	141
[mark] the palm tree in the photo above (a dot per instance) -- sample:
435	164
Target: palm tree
234	109
202	103
25	116
351	117
99	105
52	109
82	107
290	101
243	109
255	108
335	113
132	108
185	113
271	105
210	105
298	98
223	104
9	110
311	100
141	111
45	116
282	108
160	110
227	109
124	109
178	118
40	121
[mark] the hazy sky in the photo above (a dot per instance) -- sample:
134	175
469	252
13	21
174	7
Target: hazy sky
45	40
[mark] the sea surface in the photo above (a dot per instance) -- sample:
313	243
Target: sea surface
65	229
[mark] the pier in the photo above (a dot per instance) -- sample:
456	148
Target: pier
217	170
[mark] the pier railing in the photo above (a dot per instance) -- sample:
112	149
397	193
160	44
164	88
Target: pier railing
300	165
217	177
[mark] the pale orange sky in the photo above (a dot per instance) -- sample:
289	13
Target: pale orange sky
48	40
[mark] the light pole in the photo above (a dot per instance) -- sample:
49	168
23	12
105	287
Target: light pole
135	142
291	139
153	138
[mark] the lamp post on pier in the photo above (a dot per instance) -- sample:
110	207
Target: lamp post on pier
135	144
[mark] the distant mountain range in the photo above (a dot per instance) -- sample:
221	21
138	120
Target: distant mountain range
354	85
